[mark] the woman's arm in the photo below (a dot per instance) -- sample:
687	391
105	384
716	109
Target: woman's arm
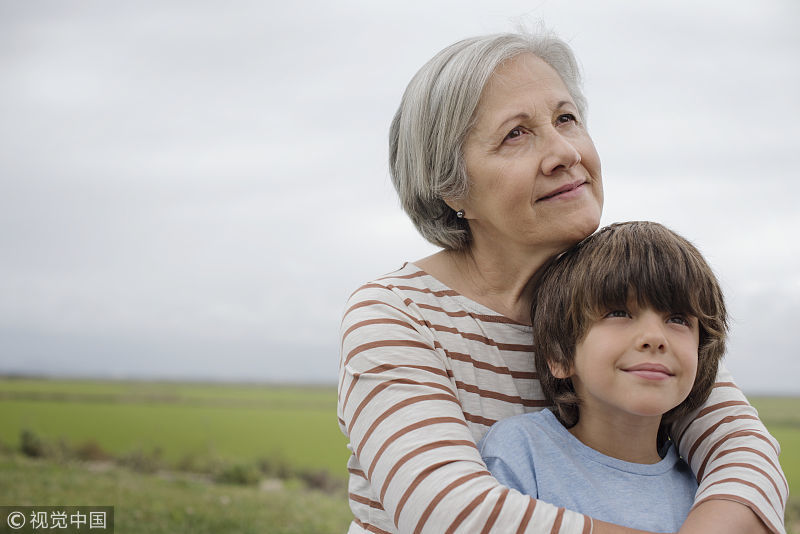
410	440
718	515
741	483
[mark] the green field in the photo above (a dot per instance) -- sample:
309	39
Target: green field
240	422
184	425
782	417
153	504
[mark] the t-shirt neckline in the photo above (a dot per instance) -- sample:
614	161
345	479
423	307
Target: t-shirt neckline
658	468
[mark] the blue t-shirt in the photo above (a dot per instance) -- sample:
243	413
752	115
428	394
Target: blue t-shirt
535	454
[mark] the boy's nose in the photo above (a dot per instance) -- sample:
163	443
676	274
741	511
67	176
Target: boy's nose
652	343
651	335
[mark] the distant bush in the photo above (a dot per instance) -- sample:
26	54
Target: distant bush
143	461
242	474
91	451
276	467
321	480
32	445
150	461
192	463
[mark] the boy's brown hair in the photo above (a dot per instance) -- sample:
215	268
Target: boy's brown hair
644	261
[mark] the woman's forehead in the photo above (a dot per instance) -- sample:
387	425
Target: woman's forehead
523	72
521	85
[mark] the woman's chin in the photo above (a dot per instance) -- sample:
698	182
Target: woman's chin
581	228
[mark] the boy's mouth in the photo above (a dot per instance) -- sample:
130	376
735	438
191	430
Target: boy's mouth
650	371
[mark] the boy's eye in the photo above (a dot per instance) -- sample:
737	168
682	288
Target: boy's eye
679	318
617	313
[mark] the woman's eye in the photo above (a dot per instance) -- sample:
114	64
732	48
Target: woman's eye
617	313
514	133
566	117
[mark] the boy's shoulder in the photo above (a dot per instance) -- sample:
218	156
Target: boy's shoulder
530	431
516	422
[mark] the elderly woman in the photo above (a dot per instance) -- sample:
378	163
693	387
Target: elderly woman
492	161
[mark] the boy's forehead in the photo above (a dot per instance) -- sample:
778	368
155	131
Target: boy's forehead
666	300
632	298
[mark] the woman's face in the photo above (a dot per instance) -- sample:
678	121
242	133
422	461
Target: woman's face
534	173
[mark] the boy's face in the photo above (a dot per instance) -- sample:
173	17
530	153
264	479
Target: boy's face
635	362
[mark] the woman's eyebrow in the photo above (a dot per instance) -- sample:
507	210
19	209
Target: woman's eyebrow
521	116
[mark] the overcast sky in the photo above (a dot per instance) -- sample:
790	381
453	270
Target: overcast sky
192	190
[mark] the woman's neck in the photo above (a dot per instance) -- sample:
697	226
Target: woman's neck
498	278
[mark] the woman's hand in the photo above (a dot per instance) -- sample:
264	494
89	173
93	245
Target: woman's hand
721	516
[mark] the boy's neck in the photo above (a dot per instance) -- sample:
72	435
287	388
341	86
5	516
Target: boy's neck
628	438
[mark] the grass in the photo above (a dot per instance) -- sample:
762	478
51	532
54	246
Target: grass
783	411
782	417
236	433
297	397
153	504
181	421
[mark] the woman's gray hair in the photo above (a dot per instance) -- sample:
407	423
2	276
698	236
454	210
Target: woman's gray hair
427	134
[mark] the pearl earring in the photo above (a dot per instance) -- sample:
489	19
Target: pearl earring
460	214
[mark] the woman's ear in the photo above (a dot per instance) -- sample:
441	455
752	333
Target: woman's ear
453	204
559	371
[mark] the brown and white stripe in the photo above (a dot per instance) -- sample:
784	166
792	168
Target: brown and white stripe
425	371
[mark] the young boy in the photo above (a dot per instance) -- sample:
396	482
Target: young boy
629	326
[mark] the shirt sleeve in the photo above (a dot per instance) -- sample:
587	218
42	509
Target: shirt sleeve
733	455
400	411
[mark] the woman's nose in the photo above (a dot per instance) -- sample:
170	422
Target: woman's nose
560	154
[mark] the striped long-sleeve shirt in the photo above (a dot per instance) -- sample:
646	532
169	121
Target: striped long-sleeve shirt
425	372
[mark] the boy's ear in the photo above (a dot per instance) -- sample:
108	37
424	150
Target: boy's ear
559	371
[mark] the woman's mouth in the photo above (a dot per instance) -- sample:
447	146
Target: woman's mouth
564	192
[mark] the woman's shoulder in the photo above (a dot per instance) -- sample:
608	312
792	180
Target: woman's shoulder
414	293
385	314
408	275
408	284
